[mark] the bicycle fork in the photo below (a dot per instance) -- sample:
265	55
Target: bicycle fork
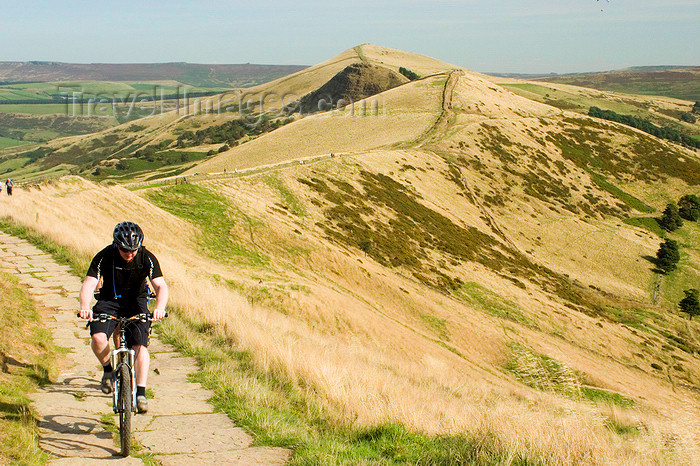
120	357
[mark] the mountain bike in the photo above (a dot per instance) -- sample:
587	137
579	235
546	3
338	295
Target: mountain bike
123	376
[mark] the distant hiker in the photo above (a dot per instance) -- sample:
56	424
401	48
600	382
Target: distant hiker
9	185
123	268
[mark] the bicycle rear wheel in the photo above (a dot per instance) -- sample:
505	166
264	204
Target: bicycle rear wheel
125	408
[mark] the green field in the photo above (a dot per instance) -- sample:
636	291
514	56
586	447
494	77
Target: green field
9	142
45	98
34	109
98	89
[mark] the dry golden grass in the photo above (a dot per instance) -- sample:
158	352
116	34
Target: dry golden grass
394	58
310	79
353	332
404	113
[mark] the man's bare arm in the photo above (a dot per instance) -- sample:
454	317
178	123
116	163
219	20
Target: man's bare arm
161	289
86	293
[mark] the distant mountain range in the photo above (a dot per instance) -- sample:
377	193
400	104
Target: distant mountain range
561	75
194	74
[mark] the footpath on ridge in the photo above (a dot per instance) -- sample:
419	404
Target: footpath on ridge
180	427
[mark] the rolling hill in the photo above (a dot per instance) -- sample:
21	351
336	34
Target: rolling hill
669	81
678	82
448	255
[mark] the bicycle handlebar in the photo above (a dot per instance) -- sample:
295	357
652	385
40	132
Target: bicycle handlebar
143	317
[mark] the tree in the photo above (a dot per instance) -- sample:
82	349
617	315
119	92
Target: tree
668	256
671	220
689	207
691	303
696	107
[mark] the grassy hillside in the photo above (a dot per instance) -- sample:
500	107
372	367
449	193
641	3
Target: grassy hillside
678	83
659	111
133	150
469	273
57	91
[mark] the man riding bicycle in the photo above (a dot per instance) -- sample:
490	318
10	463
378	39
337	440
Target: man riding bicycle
123	268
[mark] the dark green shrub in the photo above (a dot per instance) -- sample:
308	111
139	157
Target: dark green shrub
408	73
689	207
671	220
691	303
668	256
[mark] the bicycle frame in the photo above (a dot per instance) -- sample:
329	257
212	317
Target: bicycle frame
119	357
123	360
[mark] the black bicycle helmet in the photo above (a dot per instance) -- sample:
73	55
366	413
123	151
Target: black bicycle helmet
128	236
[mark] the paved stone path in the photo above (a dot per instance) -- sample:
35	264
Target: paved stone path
180	427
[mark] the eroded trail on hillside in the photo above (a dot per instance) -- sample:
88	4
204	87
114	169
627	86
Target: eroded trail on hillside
437	130
180	427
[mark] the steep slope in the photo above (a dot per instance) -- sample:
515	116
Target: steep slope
398	115
310	79
354	83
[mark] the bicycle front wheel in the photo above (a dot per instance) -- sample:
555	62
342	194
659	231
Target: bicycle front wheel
125	408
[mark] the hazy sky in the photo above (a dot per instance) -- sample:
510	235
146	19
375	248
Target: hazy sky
526	36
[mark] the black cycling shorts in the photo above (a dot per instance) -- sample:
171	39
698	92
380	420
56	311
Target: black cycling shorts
137	332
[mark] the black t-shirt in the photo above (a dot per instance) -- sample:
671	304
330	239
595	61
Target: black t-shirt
122	280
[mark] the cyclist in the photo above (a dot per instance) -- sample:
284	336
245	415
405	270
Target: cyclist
123	267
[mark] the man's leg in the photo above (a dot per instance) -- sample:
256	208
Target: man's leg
100	346
99	342
143	361
137	338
